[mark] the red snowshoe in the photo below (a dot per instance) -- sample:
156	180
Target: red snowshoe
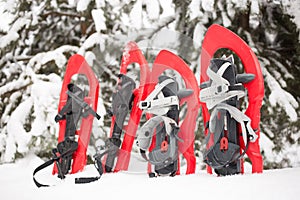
125	101
229	132
134	100
75	107
166	60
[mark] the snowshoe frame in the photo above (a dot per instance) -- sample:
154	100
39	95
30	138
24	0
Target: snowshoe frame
218	37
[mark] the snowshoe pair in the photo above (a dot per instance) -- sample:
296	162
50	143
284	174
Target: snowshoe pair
230	134
76	108
158	96
224	142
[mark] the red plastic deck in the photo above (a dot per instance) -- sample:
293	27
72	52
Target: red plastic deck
78	65
218	37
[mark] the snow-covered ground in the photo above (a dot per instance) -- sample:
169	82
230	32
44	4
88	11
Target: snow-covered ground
16	183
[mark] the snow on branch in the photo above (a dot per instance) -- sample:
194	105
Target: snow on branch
56	13
99	19
7	39
194	9
91	41
56	55
14	86
12	35
17	137
280	96
136	15
82	5
163	23
152	7
37	109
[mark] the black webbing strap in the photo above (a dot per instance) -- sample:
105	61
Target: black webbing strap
39	168
81	180
83	104
48	163
84	180
236	87
98	166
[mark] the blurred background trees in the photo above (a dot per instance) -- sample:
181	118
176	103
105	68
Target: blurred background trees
37	38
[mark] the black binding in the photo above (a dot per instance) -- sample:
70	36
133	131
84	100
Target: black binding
121	105
74	109
226	161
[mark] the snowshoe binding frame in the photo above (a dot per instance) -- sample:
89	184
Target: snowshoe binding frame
74	106
166	60
218	37
163	102
122	101
78	65
125	101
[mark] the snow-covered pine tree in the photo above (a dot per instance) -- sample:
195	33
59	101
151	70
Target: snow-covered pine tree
36	41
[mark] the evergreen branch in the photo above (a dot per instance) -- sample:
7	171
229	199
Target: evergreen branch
56	13
10	88
165	23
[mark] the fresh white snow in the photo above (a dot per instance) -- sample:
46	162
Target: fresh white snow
136	15
82	5
152	7
194	9
16	183
198	34
168	8
6	14
208	5
99	19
